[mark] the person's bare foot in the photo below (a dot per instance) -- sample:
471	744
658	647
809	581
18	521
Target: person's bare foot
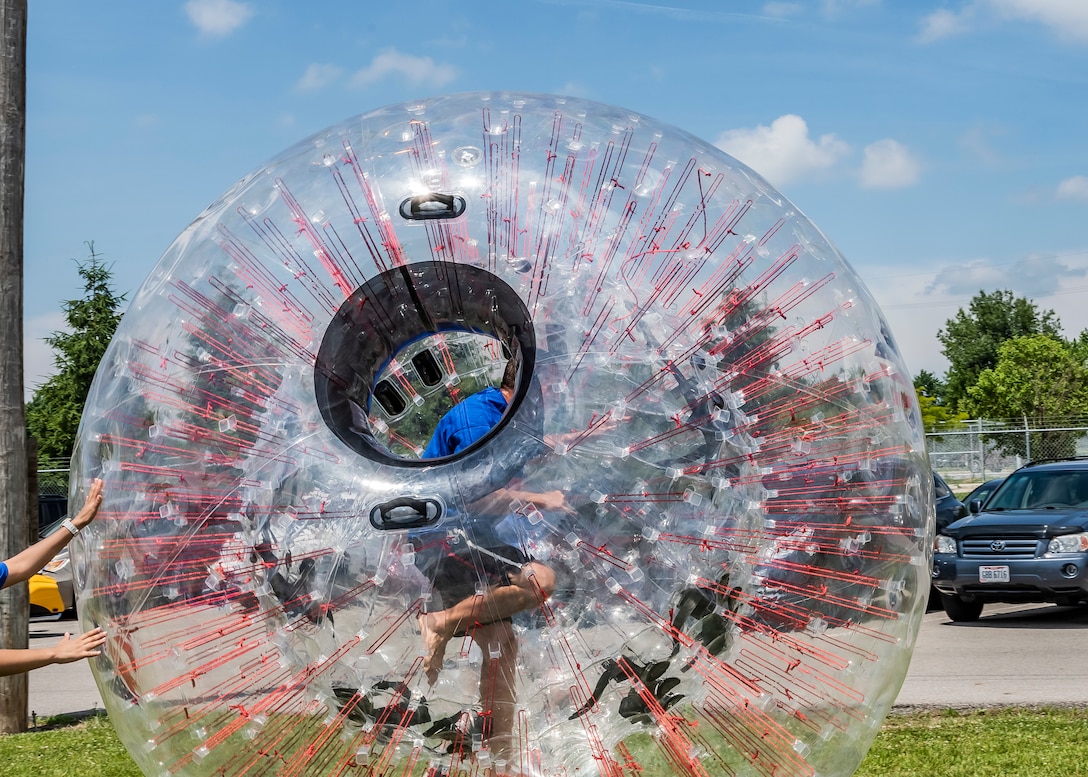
432	630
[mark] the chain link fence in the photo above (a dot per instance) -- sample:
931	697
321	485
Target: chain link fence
53	482
52	499
977	450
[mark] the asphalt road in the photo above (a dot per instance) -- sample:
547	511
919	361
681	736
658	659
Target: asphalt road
1014	655
63	689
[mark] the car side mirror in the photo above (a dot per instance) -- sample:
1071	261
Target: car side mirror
975	507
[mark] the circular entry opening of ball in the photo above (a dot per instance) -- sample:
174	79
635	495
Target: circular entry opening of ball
456	372
409	347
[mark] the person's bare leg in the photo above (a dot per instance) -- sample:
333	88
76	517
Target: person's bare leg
528	588
499	646
434	645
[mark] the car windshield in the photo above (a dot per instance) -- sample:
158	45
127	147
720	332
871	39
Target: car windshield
1030	490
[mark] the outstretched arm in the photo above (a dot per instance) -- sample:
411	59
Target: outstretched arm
25	564
66	651
498	501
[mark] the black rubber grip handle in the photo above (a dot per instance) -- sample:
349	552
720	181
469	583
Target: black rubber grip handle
433	205
407	512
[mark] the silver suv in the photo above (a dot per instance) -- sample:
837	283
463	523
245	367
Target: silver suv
1030	544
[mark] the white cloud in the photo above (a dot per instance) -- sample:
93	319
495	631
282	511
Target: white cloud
1067	18
783	152
944	24
967	278
1075	188
1036	275
888	164
317	77
218	18
416	70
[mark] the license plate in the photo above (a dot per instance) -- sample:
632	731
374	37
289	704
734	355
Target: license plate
993	574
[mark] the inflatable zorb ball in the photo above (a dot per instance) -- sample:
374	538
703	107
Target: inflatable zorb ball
695	542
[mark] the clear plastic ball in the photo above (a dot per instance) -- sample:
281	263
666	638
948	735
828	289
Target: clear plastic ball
695	542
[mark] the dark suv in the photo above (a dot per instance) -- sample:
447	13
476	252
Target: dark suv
949	508
1029	545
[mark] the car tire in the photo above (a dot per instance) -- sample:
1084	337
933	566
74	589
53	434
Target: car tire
960	610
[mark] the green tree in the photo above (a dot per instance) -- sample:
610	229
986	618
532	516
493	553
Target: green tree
1039	381
971	339
52	415
929	385
937	417
937	414
1080	346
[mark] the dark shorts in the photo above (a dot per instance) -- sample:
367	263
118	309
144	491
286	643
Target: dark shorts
458	574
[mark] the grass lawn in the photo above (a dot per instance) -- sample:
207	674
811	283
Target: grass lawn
65	748
985	743
990	743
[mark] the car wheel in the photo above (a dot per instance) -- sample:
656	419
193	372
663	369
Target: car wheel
959	610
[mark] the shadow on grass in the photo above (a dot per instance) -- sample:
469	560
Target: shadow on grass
65	720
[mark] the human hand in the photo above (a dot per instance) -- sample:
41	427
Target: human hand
549	500
86	645
599	424
90	505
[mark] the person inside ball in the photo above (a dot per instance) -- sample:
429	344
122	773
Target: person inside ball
479	581
27	563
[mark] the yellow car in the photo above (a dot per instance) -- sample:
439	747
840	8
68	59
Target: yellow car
51	593
46	602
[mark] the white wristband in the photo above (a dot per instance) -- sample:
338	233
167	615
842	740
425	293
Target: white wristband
67	524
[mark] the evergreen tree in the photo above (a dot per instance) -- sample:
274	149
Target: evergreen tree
52	415
937	415
929	385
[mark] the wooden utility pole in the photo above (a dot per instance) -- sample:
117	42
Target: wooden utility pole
14	604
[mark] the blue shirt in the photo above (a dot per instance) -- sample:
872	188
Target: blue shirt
3	574
465	423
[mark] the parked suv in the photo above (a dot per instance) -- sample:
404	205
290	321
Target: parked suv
948	508
1030	544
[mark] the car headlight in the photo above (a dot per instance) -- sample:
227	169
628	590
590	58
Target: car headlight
943	544
1069	543
56	565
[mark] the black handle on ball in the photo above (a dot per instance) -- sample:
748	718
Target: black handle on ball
433	205
407	512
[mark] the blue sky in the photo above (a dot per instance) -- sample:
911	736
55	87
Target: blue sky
942	146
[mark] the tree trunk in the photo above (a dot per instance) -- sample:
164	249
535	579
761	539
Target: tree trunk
14	605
